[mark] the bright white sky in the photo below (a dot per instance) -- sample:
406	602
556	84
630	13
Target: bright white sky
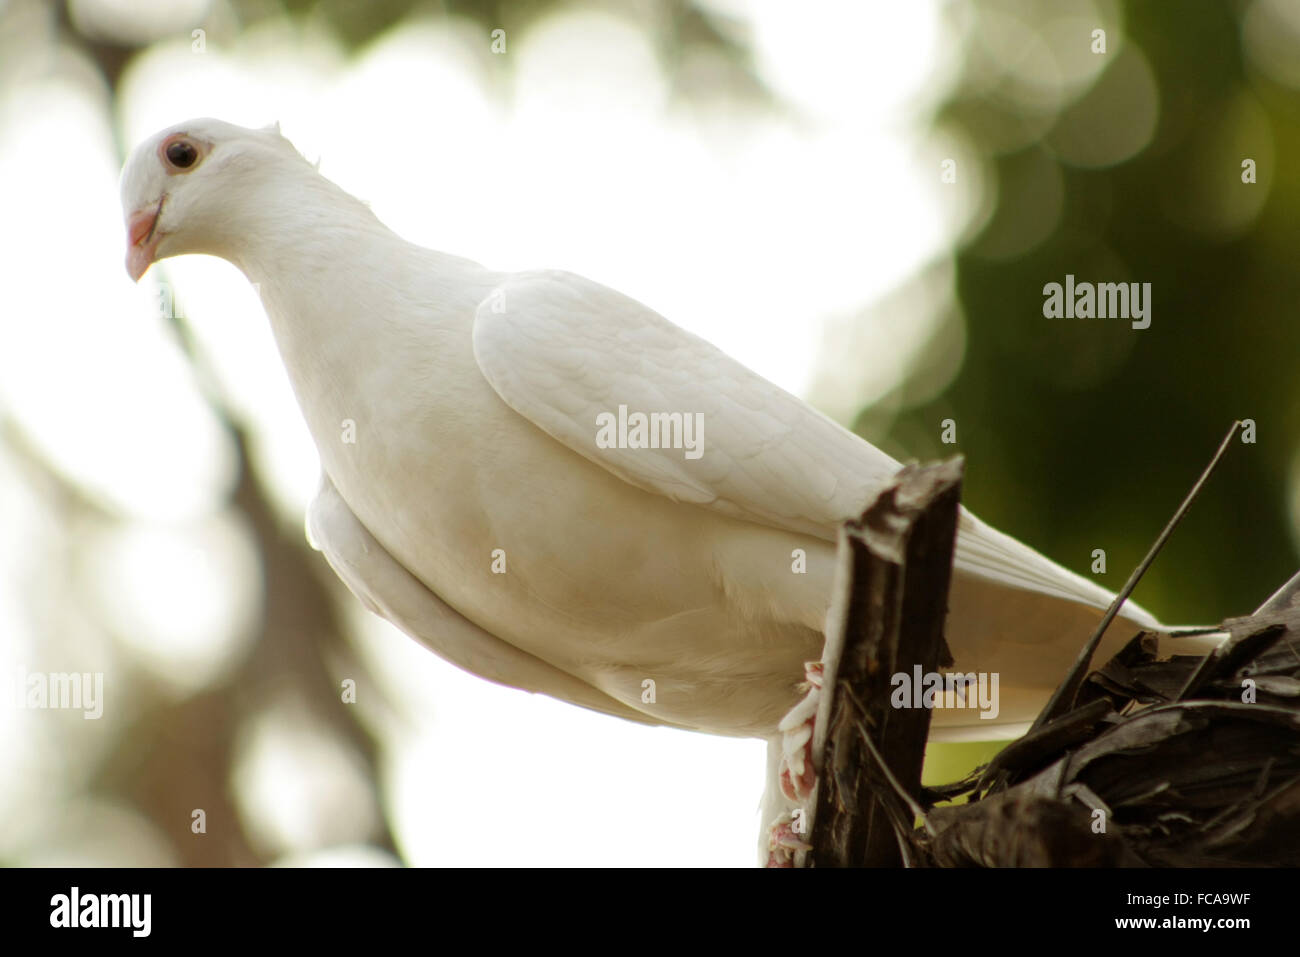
748	228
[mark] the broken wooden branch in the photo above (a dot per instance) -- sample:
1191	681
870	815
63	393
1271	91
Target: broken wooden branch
891	598
1182	760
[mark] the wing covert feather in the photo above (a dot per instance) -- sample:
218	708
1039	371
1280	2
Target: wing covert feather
563	350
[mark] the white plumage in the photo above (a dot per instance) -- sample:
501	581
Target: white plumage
475	397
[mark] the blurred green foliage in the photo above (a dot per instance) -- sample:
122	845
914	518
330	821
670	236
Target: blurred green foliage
1084	434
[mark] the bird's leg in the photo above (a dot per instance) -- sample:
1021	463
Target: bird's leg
797	772
785	839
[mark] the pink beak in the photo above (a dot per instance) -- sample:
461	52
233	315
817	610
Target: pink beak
142	239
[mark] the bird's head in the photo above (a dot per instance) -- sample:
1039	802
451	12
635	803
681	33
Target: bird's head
179	187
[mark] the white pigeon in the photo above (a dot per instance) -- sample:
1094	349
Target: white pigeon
481	506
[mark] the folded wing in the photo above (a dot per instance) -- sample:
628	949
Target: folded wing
563	351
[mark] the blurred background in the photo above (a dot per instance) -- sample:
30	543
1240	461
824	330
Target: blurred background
861	200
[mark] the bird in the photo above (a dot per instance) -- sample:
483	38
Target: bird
553	487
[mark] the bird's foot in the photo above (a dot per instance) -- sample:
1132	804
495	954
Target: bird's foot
797	772
785	839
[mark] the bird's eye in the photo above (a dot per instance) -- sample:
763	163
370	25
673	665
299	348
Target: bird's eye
182	154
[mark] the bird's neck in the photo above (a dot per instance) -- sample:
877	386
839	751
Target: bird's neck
353	306
300	229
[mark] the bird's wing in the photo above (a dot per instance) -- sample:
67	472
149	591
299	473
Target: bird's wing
562	351
386	588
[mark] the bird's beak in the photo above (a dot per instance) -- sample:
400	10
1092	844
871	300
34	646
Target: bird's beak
142	238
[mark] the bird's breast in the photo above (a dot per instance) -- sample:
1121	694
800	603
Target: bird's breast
566	561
